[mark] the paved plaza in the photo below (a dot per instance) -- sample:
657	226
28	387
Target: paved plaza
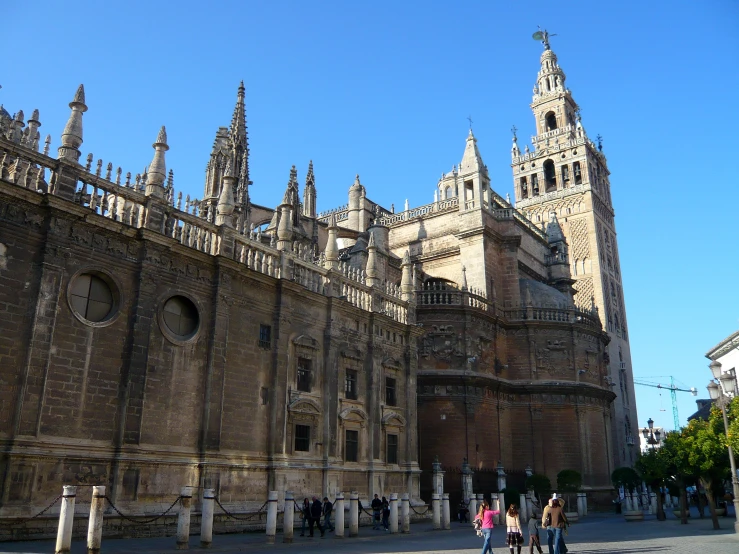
596	534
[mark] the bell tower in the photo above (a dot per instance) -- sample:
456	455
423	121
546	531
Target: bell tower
566	174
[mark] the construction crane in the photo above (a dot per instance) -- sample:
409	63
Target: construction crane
673	392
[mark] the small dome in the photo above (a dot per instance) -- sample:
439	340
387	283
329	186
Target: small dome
4	113
542	296
548	55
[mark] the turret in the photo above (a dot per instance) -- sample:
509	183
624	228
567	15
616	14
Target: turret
157	172
332	245
32	134
225	208
72	134
406	281
558	262
473	175
16	127
371	269
356	194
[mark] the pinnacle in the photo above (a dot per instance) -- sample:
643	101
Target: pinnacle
79	96
34	115
162	136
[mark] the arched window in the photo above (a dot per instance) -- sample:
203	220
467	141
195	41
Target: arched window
524	188
551	121
550	176
447	193
565	175
535	184
578	173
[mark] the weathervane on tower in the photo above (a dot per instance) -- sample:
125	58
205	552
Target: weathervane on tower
543	36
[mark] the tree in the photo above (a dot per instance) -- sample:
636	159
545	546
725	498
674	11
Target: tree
652	470
678	467
569	481
625	477
542	487
510	496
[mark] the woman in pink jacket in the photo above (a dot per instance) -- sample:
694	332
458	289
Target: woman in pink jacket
485	515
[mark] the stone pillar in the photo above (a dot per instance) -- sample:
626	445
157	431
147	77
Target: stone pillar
271	516
445	512
339	515
501	477
495	505
438	477
66	520
436	511
206	518
288	517
95	525
530	502
393	512
582	504
467	474
652	503
522	508
472	506
354	514
405	514
183	519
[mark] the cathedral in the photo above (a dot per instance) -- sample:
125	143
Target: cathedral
151	341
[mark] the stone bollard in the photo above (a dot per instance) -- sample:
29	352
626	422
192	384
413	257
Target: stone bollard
405	513
354	514
95	525
495	505
436	511
206	518
445	513
522	508
652	503
582	504
480	499
183	519
393	512
530	503
339	511
271	516
66	520
288	517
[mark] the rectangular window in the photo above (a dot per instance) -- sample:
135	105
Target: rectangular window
265	336
351	446
392	449
350	384
302	438
389	391
304	374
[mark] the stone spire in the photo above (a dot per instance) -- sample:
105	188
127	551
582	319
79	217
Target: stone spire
471	160
309	193
554	230
237	131
16	127
158	167
225	208
332	245
72	134
372	269
515	152
406	281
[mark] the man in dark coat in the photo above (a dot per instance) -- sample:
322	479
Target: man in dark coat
315	512
376	512
327	509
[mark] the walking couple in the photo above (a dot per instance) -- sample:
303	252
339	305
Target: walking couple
555	522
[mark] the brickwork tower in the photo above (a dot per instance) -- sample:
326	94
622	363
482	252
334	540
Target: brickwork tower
567	174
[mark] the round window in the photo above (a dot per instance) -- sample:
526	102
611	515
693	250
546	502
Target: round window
181	317
91	297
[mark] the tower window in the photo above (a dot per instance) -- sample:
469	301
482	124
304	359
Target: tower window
565	175
392	449
350	384
304	377
551	121
524	188
302	438
550	175
390	399
351	445
447	193
578	173
535	184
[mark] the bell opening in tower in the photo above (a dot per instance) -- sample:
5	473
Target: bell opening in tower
550	176
551	121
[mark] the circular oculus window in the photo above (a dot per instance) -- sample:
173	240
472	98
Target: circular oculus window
91	298
180	317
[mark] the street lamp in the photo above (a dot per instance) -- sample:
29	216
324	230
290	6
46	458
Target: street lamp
722	389
650	435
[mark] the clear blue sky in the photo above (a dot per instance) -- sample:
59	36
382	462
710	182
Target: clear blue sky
383	89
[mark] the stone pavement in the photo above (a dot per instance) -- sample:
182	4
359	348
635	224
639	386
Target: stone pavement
595	534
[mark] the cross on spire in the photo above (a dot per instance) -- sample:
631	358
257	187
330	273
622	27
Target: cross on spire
513	130
469	118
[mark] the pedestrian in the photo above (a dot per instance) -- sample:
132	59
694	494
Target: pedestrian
462	513
305	511
376	512
385	514
485	517
328	507
315	515
554	521
514	539
534	540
